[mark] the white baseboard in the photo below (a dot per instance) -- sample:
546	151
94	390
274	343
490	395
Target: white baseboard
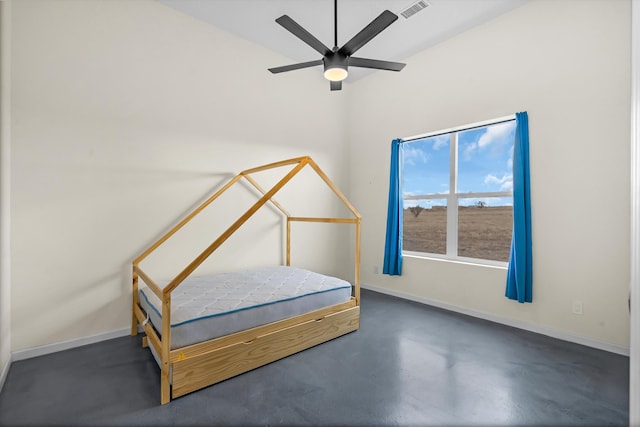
5	372
65	345
563	335
531	327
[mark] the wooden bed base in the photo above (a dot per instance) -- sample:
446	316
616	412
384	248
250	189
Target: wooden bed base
196	366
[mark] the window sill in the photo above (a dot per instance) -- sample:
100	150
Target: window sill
457	260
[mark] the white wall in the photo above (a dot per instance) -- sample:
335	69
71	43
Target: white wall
5	169
124	118
634	358
126	114
567	63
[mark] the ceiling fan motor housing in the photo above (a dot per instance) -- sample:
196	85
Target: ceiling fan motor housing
335	60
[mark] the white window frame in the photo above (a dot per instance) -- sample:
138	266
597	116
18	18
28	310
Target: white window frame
453	196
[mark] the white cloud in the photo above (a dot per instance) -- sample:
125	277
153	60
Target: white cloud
414	155
505	183
440	141
468	150
488	201
427	204
409	203
495	133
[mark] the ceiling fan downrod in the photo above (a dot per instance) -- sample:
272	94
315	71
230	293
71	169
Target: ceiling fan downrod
335	25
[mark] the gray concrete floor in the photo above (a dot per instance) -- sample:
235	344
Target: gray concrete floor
409	364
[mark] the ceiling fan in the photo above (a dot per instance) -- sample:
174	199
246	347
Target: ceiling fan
337	60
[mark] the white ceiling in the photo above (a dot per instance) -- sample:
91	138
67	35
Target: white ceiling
254	20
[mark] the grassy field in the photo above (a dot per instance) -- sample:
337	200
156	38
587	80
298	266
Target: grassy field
483	232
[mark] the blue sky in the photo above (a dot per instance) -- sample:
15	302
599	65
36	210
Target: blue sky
485	157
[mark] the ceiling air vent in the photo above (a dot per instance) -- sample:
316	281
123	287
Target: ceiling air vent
414	8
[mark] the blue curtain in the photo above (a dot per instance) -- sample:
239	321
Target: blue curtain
393	243
519	275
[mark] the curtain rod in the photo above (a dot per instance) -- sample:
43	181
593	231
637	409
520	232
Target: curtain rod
472	126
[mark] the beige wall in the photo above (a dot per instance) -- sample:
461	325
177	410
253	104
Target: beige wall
127	114
5	168
567	63
123	119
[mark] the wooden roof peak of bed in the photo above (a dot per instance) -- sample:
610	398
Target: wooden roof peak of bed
190	368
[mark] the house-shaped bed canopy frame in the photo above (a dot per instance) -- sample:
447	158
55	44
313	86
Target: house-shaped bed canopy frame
190	368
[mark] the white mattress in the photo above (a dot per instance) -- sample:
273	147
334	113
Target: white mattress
208	307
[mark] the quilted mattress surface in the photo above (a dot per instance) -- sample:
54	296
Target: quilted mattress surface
208	307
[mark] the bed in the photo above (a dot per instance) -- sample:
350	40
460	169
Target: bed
205	329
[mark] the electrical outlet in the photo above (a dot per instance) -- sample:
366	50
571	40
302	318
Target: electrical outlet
577	307
375	269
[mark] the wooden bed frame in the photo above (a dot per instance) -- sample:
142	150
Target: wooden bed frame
193	367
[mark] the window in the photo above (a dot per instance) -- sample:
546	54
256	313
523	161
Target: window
457	192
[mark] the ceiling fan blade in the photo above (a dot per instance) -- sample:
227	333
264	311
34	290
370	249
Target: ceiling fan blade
336	85
375	63
383	20
297	30
295	66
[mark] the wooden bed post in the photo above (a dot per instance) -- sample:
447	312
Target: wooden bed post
165	342
134	319
288	241
357	262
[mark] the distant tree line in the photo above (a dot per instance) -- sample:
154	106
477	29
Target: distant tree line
415	210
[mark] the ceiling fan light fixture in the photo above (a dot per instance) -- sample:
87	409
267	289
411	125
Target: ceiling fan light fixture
336	73
335	67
